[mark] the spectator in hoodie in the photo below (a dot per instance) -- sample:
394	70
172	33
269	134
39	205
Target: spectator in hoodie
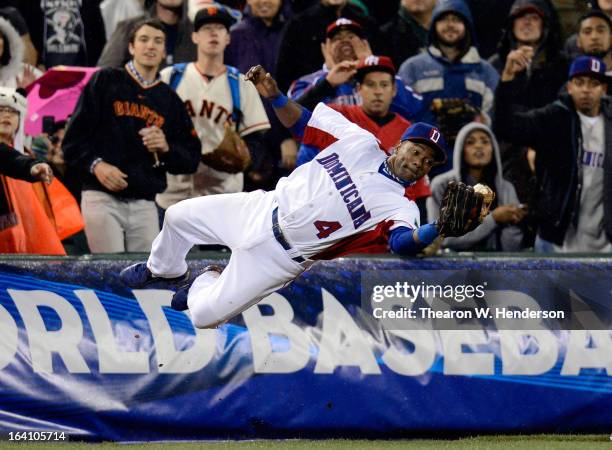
532	35
456	84
476	159
532	31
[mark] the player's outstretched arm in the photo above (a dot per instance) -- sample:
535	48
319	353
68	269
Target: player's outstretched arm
463	209
409	242
291	114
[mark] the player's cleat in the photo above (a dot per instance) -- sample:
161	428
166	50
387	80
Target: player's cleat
138	276
179	299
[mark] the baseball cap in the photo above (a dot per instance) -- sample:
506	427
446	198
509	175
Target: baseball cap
596	13
424	133
344	24
213	14
524	9
374	63
588	66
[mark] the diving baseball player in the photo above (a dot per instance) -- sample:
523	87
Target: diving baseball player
349	196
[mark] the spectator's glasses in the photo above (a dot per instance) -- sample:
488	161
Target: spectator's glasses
8	110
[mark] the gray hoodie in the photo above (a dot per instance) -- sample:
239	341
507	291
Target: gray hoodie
489	235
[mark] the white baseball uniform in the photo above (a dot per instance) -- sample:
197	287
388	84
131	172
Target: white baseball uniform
340	200
209	104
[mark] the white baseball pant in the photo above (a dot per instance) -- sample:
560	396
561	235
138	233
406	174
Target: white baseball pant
258	265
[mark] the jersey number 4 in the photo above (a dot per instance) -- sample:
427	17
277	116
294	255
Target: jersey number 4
326	228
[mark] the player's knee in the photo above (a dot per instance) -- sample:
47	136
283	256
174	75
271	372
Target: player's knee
173	215
202	321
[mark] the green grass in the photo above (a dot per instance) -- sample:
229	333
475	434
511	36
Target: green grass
532	442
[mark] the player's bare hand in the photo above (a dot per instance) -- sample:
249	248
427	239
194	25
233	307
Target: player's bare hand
154	139
42	172
263	81
509	214
111	177
517	61
341	73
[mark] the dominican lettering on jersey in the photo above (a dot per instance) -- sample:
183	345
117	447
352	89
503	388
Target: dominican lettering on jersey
131	109
592	159
347	189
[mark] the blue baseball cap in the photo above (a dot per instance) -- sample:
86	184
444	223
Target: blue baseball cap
424	133
589	66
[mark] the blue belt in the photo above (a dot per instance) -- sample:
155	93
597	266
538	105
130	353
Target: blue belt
278	235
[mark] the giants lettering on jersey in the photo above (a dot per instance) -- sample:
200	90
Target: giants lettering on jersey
127	108
207	110
344	184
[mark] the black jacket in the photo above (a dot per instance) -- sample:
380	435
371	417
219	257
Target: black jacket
15	165
554	131
542	82
113	107
399	38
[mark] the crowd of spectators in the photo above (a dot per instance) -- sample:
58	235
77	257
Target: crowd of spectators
520	96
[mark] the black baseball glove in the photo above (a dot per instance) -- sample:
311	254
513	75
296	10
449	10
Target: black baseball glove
452	114
460	211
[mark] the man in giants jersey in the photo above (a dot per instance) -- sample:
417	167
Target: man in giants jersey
205	88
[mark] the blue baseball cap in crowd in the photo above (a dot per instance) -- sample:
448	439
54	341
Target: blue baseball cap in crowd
424	133
589	66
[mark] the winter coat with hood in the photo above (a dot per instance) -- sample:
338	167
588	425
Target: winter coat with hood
12	66
433	76
554	132
540	84
489	235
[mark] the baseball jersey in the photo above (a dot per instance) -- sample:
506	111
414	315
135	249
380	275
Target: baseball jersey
209	104
388	135
345	197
